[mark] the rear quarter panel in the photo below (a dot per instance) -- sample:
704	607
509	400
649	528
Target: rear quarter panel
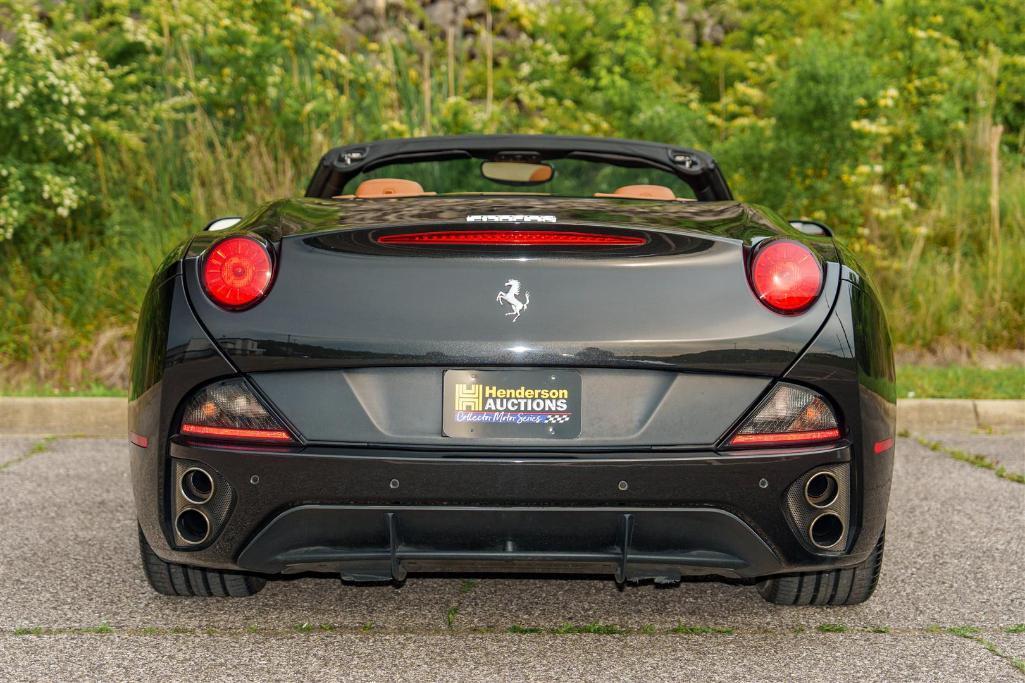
851	361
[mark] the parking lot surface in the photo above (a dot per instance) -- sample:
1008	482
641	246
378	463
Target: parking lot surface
74	603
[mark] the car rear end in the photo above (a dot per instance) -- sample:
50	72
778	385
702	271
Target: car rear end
646	390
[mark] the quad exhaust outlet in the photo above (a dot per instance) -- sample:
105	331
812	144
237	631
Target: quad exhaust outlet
192	525
197	486
821	490
826	530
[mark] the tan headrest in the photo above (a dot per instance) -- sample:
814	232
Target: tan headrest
641	192
389	187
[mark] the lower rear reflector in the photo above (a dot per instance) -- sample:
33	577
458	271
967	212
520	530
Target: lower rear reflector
882	446
235	433
785	438
512	238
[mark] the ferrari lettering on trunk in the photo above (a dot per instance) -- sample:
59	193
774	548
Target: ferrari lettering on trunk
510	218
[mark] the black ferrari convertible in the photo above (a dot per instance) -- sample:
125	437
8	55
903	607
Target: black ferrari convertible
513	354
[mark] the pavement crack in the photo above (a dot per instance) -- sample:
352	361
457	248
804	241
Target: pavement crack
973	459
974	634
41	446
595	628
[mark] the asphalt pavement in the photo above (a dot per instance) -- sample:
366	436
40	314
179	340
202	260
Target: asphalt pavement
75	606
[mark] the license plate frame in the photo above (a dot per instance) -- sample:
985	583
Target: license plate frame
511	404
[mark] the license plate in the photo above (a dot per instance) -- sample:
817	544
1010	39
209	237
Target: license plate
524	404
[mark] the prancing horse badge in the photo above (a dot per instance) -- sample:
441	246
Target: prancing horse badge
512	297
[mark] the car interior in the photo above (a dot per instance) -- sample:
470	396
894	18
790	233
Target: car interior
570	178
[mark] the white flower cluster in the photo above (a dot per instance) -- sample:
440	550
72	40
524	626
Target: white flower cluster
61	192
54	99
10	211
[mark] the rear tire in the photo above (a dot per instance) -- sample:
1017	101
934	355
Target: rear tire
169	578
851	586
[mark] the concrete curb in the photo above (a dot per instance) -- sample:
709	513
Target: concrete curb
957	413
64	416
106	417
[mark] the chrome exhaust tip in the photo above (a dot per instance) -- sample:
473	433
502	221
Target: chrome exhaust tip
196	486
826	530
192	525
821	490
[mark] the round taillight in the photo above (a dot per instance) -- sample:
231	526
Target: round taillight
786	276
237	272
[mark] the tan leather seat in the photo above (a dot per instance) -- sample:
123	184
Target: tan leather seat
660	192
389	187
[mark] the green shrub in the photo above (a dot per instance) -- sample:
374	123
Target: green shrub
56	112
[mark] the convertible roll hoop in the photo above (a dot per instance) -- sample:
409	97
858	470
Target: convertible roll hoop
698	169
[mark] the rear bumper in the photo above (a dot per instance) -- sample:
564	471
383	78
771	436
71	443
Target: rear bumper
376	514
374	543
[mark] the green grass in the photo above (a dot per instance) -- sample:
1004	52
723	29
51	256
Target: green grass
593	628
960	381
1017	628
963	631
831	628
450	616
29	631
701	630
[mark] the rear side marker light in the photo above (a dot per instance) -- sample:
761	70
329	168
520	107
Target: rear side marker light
512	238
789	415
881	447
138	440
786	276
230	411
237	272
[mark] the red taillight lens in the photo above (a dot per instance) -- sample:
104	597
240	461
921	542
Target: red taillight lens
785	438
513	238
230	411
786	276
233	434
237	272
789	415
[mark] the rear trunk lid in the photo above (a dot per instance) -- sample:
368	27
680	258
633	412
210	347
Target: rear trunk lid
681	301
